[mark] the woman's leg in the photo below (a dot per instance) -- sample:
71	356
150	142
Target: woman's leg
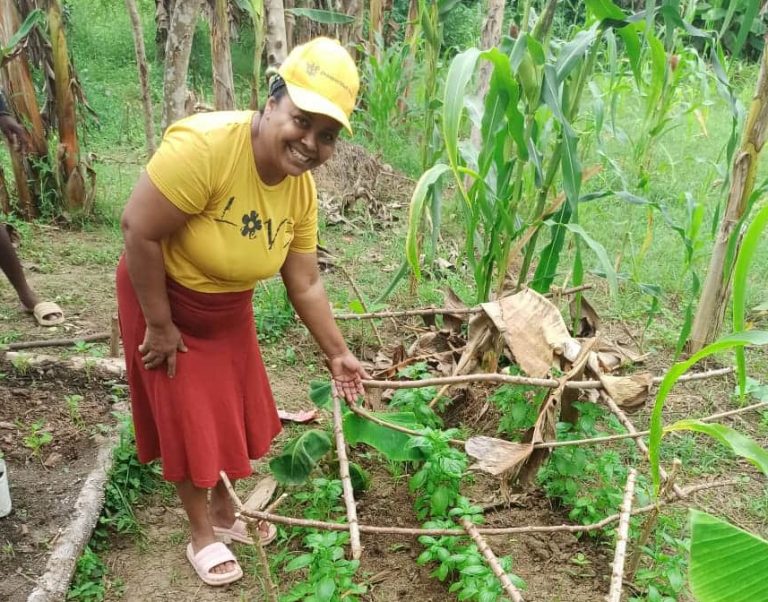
223	511
11	266
195	501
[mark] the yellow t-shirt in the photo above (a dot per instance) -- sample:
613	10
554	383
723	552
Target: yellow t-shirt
239	230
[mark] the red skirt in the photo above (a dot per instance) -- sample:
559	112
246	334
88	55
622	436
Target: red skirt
218	412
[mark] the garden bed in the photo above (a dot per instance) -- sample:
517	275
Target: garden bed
52	423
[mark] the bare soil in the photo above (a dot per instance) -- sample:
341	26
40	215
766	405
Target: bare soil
44	485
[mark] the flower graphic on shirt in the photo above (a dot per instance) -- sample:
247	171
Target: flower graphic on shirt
251	224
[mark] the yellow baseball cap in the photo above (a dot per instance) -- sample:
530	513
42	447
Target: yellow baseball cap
321	77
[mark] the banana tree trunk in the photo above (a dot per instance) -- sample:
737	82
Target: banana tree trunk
141	64
5	197
257	18
290	24
303	31
223	82
22	98
375	27
177	51
68	153
490	37
710	311
412	31
353	33
277	45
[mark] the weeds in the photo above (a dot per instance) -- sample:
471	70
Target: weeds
73	408
272	311
129	480
518	407
36	438
88	583
21	364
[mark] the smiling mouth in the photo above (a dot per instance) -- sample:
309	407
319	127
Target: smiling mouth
298	156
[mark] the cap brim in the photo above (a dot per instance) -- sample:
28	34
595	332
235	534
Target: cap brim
312	102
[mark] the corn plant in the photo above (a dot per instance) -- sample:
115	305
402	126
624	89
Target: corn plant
384	80
741	271
527	140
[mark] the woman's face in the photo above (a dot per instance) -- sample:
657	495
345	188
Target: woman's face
293	140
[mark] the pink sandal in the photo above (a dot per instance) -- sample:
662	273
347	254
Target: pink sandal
239	533
211	556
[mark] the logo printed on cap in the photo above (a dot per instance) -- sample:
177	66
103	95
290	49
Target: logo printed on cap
313	69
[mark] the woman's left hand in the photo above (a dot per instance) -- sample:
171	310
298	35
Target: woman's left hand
347	374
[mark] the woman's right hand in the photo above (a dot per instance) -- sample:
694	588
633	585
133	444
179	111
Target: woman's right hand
160	346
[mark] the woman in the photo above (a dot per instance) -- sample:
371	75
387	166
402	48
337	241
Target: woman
226	201
46	313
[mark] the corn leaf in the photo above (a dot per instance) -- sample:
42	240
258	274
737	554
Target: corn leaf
727	564
605	9
602	256
658	71
571	168
460	72
573	51
416	211
326	17
737	339
750	14
546	270
748	249
551	96
739	444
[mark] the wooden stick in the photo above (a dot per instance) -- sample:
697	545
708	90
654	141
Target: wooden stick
619	413
316	524
253	531
362	302
617	575
273	594
493	562
551	444
433	311
114	337
346	482
650	522
519	380
89	338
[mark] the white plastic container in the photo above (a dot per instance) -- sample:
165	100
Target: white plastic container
5	494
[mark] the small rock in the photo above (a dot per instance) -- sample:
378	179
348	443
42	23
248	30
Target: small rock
53	460
7	425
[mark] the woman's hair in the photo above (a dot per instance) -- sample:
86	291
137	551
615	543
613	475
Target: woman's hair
277	89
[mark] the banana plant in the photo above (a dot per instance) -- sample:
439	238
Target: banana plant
15	44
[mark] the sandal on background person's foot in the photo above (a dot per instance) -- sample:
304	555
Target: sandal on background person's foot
48	313
211	556
239	532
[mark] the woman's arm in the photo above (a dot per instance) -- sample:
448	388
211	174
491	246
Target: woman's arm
148	218
307	294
